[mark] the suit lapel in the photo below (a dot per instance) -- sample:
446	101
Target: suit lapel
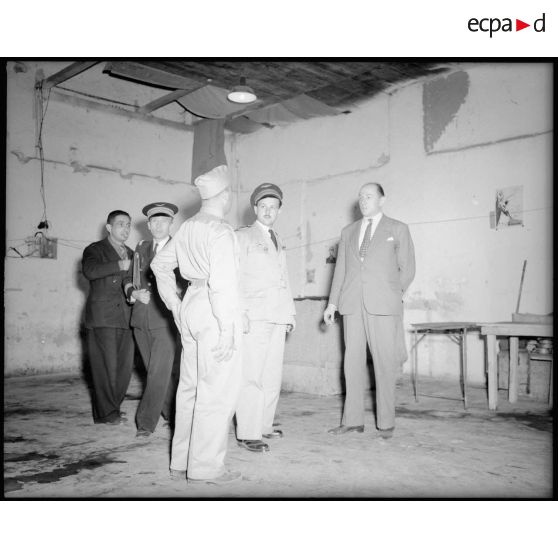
110	251
353	237
379	234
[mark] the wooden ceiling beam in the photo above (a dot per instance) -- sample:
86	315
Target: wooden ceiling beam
67	73
166	99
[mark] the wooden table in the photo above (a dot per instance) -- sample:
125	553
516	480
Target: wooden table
457	332
513	330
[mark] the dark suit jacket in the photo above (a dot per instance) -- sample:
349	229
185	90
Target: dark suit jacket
154	315
381	279
106	304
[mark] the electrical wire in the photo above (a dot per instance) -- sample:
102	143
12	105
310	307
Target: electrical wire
42	111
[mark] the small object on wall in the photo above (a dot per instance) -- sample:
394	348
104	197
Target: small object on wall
39	246
508	208
331	259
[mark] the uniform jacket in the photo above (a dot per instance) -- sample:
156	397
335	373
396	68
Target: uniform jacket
205	250
106	304
265	293
155	314
381	279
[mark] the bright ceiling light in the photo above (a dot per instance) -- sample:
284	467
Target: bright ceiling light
242	93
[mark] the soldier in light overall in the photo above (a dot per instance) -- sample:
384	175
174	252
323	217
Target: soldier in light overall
205	250
268	313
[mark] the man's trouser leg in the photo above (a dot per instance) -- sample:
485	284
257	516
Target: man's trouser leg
355	369
251	399
217	395
102	348
272	375
125	362
159	348
384	337
185	399
169	404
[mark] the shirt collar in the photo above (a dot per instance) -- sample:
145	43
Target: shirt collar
120	248
264	227
161	242
375	218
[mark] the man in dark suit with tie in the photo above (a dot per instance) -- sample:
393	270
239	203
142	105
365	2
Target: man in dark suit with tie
107	319
375	266
153	324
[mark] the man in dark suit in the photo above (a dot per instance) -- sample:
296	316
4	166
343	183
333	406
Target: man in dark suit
107	319
375	266
153	324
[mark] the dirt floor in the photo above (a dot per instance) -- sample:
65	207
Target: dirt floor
52	449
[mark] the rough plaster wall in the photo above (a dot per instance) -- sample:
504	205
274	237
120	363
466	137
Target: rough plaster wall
95	162
495	136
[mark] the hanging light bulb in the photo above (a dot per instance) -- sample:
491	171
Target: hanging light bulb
241	93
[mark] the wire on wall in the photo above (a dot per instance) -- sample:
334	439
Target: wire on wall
42	109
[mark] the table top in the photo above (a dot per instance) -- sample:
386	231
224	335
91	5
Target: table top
518	329
445	326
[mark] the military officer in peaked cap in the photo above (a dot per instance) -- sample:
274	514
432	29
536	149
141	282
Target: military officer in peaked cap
153	324
268	313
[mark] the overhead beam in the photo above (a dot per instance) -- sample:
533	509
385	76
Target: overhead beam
67	73
108	109
166	99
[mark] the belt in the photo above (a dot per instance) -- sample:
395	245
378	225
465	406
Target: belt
198	283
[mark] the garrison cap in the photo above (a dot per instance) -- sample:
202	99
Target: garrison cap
266	190
213	182
160	208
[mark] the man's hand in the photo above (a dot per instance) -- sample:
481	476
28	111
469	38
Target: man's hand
143	295
245	323
292	325
224	349
329	314
124	265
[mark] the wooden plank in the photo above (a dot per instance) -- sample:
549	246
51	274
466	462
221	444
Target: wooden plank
109	109
513	380
166	99
67	73
151	76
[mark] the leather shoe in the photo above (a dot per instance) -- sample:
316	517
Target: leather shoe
345	429
386	433
253	445
274	434
177	475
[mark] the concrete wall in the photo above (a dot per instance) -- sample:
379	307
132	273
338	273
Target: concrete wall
441	149
96	161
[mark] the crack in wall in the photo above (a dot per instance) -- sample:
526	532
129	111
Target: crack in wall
84	169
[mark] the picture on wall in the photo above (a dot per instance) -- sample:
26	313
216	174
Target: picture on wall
508	210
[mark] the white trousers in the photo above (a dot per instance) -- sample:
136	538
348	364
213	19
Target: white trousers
262	370
207	391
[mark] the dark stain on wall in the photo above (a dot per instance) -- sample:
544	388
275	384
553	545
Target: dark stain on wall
441	99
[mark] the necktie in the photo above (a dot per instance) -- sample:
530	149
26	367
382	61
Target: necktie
366	239
155	248
273	239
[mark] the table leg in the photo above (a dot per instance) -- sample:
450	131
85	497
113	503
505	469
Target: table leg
491	355
464	357
513	380
415	366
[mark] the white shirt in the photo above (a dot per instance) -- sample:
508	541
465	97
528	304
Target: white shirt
266	229
375	221
160	243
